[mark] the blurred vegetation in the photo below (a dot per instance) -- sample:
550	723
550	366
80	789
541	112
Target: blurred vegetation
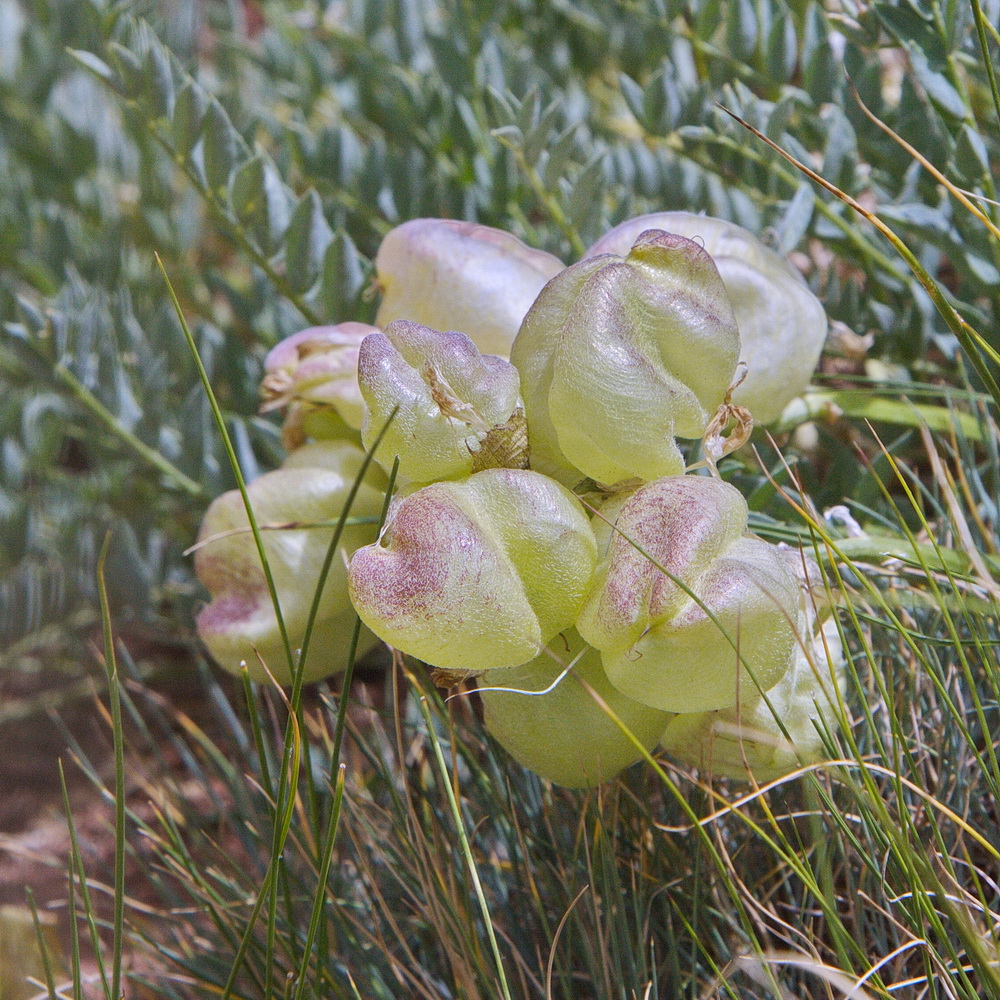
262	149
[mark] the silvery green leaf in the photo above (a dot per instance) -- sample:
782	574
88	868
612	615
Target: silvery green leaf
526	115
795	221
708	15
741	29
841	153
781	48
819	68
188	117
158	82
306	241
587	190
938	87
538	137
129	68
222	147
558	158
509	135
93	64
634	98
260	201
341	279
984	270
971	154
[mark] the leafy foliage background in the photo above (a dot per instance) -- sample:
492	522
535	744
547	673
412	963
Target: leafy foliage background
262	149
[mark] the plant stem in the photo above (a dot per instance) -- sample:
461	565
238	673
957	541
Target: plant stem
98	410
550	203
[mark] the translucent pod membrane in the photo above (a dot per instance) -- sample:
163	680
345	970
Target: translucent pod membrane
477	574
444	398
687	609
564	734
317	368
782	325
452	275
620	355
239	624
768	739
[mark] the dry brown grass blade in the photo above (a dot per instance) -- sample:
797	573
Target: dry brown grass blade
848	987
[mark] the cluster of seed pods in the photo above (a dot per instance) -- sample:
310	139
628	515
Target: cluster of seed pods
546	537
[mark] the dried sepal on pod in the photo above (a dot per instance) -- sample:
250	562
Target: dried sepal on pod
454	407
452	275
563	734
479	573
782	324
687	609
239	625
620	355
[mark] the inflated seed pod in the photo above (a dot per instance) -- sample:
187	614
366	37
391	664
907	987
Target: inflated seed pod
782	324
620	355
687	609
314	373
749	739
239	624
564	734
452	275
479	573
453	406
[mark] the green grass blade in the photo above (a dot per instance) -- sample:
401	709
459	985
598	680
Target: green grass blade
333	823
114	697
76	871
466	848
43	947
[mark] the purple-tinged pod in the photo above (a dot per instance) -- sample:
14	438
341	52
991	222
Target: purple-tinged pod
454	407
295	507
687	609
782	324
768	738
553	725
314	373
452	275
620	355
479	573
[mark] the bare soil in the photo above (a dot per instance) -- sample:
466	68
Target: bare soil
48	714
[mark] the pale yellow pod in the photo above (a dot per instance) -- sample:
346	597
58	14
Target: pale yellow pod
782	324
620	355
749	739
720	620
437	398
239	625
563	734
452	275
479	573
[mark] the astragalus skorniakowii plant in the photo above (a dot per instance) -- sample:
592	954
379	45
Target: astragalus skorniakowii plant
271	155
559	529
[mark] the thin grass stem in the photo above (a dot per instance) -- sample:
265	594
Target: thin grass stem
466	848
118	736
